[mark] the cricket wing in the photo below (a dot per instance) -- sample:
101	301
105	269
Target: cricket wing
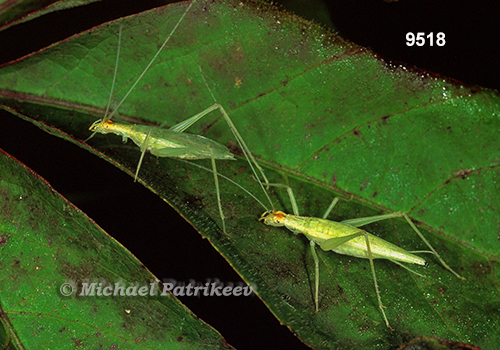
186	146
349	240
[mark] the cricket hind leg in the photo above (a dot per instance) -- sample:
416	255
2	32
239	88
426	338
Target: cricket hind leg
144	148
332	243
241	142
335	242
311	242
338	241
406	267
367	220
316	275
184	125
217	190
377	291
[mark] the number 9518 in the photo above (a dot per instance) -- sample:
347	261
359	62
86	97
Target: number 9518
420	39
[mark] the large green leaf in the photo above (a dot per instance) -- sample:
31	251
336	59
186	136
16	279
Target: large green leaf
49	252
323	115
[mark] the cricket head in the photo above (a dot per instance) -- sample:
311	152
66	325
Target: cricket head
273	218
101	126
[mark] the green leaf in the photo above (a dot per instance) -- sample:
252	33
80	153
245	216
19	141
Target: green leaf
326	117
49	251
13	13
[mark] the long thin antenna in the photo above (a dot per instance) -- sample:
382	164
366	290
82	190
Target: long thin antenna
154	58
112	85
115	73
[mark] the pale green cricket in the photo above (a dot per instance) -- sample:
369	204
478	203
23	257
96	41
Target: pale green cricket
341	237
346	238
173	142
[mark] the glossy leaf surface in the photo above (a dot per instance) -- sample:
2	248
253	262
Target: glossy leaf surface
57	266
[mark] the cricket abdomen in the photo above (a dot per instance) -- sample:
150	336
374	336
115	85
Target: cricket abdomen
321	230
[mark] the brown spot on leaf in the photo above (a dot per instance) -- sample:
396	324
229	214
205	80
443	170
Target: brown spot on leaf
3	240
